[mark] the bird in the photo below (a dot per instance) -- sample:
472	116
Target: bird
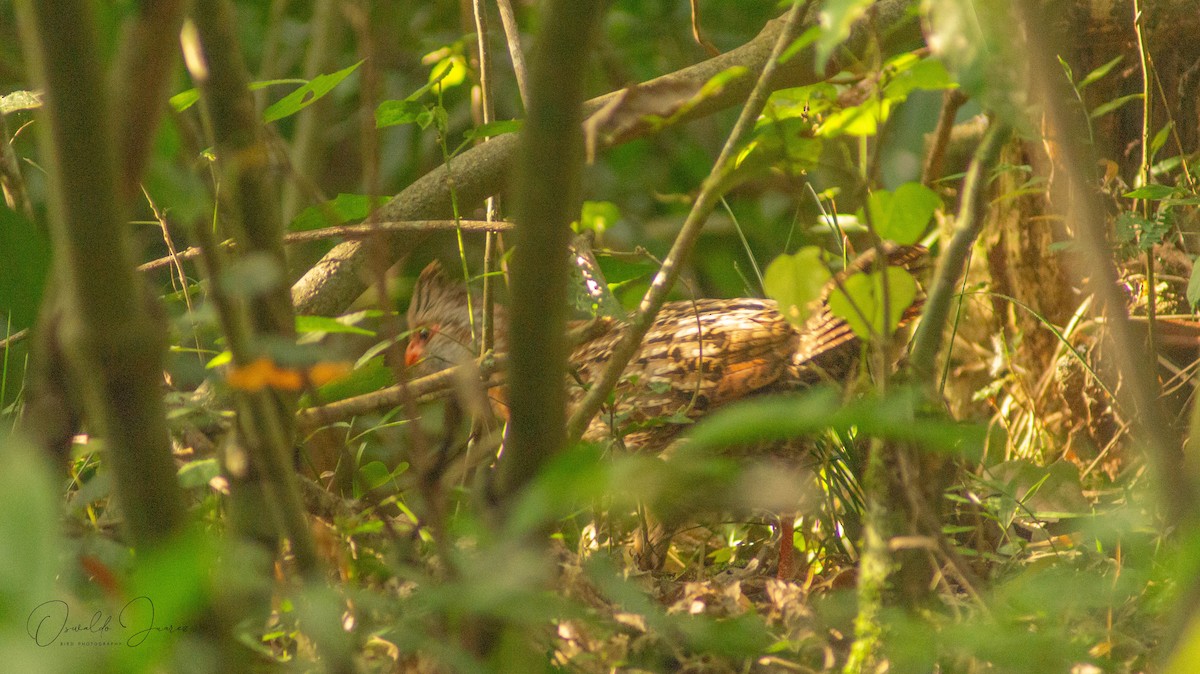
697	356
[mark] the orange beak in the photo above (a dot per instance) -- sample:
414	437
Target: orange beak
414	352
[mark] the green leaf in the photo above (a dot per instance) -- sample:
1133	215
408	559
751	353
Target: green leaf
194	474
977	43
836	18
1100	72
24	267
307	95
806	38
863	297
341	209
494	129
1102	110
1151	192
325	324
904	215
395	113
374	474
187	98
911	73
794	281
598	216
814	411
30	526
859	120
372	376
1160	138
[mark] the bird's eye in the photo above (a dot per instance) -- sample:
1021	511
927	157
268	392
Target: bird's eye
424	333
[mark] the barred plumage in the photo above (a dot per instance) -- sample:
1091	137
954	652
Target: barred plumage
697	355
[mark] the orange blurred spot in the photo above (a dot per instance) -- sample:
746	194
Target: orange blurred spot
325	372
264	372
252	377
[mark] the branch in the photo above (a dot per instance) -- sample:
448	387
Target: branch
365	231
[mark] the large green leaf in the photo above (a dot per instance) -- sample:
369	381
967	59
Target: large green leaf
902	216
306	95
796	280
860	300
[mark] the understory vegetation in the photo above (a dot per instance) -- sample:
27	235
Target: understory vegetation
220	453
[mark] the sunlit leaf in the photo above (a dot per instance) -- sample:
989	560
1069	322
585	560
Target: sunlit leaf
306	95
904	215
598	216
836	18
339	210
1151	192
1113	105
306	324
794	281
189	97
492	129
1100	72
863	298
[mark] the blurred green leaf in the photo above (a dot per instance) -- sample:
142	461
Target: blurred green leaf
1151	192
24	268
794	281
306	95
1100	72
492	129
186	99
836	17
862	297
894	417
394	113
598	216
322	324
904	215
1193	287
197	473
1113	105
339	210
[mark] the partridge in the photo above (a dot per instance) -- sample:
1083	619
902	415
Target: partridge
697	356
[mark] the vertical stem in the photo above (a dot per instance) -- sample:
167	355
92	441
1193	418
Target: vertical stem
109	336
548	184
1139	18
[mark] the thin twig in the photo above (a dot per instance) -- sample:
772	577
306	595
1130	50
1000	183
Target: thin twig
935	160
512	36
364	231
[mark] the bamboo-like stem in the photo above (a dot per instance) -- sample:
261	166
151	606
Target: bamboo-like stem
266	425
512	36
549	171
149	51
111	340
968	224
306	150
